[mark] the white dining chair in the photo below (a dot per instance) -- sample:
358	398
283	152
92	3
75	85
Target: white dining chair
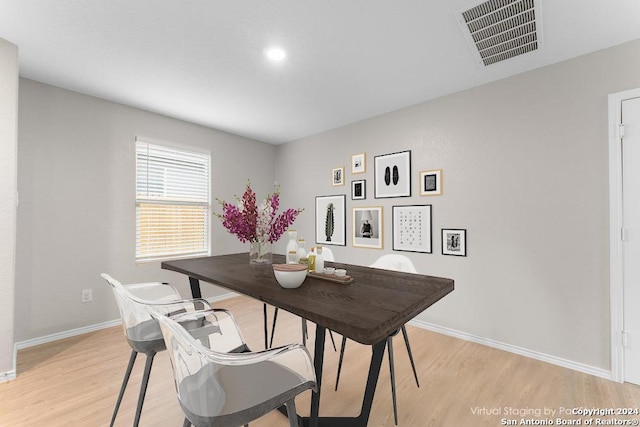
327	255
141	330
220	383
401	263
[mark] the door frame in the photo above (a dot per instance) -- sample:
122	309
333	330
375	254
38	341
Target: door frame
616	283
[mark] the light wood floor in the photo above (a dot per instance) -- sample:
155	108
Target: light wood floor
76	381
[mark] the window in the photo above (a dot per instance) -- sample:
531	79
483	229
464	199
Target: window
172	202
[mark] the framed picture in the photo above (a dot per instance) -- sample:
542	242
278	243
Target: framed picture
431	182
412	228
359	190
358	163
331	220
367	227
337	175
392	175
454	242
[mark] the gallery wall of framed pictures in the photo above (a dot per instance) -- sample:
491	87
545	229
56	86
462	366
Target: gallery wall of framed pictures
411	224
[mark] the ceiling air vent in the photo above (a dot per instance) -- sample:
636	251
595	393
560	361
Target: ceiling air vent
501	29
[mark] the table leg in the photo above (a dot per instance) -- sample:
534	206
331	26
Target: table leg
318	360
372	380
195	287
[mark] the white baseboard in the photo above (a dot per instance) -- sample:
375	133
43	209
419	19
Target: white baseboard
91	328
576	366
223	296
66	334
12	374
7	376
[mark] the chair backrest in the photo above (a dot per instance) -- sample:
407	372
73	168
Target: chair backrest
395	262
327	254
224	388
141	330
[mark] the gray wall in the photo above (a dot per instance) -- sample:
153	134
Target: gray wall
76	217
8	198
525	172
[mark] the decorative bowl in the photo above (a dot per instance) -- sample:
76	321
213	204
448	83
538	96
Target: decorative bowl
340	272
290	275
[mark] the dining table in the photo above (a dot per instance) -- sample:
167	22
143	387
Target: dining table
374	305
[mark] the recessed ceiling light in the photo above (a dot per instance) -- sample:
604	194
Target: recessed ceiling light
275	53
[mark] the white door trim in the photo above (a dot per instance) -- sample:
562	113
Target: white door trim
616	283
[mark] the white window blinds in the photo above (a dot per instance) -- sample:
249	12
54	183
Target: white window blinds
172	202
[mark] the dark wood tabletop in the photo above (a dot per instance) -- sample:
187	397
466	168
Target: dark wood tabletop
368	310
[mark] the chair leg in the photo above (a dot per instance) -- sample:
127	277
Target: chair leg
342	347
291	412
391	368
332	340
393	379
273	326
125	380
186	423
266	328
305	335
413	365
143	387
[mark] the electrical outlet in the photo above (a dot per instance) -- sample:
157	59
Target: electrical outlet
87	295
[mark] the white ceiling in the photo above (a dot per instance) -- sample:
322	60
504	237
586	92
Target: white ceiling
202	60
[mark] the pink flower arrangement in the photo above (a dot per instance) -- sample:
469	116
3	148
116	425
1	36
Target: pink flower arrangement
253	223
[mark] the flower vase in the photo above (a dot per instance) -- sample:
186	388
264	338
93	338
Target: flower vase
260	253
292	248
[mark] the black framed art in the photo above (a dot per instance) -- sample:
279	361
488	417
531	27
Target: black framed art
359	189
331	220
454	241
392	175
412	228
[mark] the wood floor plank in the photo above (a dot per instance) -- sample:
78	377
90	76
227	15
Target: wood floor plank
75	381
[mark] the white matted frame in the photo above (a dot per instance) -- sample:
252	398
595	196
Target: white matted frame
367	227
337	176
358	163
392	175
454	241
331	220
431	182
412	228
